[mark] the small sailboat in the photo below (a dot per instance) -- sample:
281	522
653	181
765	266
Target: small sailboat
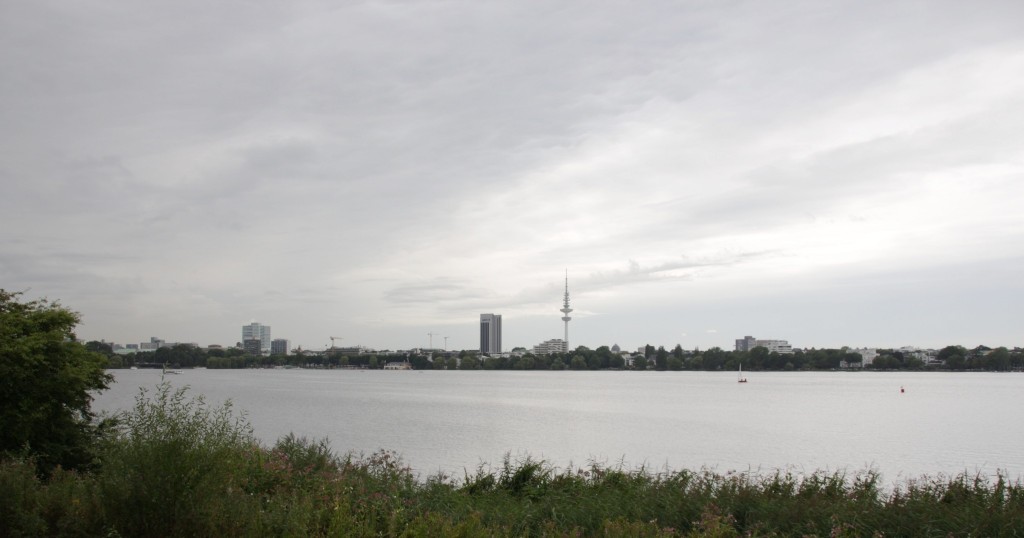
740	378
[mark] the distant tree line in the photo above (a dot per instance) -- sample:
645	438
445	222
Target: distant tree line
954	358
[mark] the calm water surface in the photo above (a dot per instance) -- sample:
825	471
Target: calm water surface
455	420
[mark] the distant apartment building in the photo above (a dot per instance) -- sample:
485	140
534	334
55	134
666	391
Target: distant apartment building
490	333
867	354
548	347
256	331
279	346
252	346
746	343
777	346
153	344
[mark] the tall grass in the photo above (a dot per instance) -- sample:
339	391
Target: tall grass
175	466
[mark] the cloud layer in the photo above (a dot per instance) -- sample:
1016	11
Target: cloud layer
841	174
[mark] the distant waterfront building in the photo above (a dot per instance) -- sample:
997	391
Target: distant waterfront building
746	343
781	347
490	333
153	344
548	347
867	354
279	346
354	350
777	346
256	331
252	346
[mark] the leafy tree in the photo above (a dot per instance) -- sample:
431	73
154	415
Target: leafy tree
954	357
421	362
714	358
99	347
758	358
182	355
1016	359
661	358
854	359
998	359
47	378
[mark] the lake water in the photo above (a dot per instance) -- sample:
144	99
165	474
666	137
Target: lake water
944	423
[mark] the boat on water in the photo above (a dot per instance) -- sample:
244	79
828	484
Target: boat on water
170	371
739	377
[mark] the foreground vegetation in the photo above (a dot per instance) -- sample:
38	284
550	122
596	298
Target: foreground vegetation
176	466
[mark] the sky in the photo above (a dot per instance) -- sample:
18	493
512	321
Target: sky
843	173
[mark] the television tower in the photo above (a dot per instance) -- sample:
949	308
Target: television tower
566	310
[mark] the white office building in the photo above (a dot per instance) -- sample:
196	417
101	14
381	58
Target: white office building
548	347
255	331
778	346
490	334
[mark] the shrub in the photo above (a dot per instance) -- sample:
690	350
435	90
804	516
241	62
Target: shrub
172	464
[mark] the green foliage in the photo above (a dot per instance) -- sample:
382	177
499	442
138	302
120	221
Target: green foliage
47	379
298	488
170	461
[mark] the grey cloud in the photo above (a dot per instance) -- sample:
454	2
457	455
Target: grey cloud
437	290
318	141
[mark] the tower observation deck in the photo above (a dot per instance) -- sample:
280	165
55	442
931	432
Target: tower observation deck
565	310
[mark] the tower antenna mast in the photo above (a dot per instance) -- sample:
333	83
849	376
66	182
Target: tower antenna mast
565	310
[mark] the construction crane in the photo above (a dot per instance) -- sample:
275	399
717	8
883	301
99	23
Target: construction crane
333	338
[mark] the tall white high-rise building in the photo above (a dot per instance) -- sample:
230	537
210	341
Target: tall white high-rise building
490	333
255	331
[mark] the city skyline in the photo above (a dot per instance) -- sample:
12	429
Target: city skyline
840	174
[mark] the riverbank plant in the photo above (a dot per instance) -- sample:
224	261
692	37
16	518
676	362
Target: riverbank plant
176	466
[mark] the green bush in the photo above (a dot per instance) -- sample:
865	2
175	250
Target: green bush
172	464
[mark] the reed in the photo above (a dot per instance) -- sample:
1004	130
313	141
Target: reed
176	466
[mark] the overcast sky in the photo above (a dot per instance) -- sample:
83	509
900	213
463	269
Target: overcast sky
831	173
